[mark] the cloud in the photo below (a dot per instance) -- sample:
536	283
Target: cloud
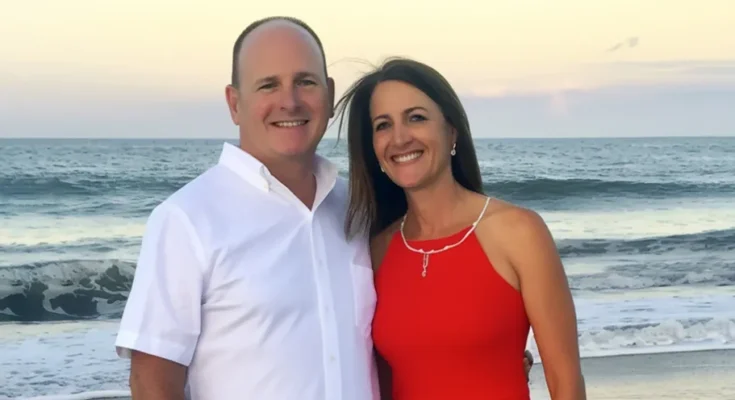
679	97
630	42
73	108
596	76
619	111
685	97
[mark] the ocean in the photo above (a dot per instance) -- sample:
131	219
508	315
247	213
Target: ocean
645	227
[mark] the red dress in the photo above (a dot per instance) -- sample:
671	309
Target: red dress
457	334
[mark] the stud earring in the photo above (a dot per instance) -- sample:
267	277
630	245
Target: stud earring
381	169
454	149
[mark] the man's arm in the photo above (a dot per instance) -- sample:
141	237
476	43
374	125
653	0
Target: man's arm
528	364
153	377
161	322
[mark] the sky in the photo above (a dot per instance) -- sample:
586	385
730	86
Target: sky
524	68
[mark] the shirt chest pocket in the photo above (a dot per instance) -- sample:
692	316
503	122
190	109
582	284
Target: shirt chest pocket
363	287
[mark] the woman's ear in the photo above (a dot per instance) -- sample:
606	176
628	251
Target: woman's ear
453	134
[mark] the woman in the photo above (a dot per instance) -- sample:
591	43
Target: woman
460	277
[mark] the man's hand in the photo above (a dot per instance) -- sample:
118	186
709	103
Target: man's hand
527	364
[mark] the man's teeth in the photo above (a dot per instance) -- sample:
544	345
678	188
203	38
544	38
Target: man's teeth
289	124
407	157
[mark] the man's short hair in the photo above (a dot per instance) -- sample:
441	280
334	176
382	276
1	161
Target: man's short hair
238	43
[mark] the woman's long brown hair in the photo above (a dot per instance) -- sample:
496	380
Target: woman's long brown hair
375	201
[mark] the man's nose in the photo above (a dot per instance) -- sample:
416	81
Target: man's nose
290	100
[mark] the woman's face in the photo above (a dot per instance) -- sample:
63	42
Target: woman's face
411	138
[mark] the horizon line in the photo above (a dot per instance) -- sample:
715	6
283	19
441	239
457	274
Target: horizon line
732	135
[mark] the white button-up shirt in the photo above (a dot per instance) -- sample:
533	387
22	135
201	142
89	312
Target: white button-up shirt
261	297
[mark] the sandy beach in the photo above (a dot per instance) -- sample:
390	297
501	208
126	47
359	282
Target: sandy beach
697	375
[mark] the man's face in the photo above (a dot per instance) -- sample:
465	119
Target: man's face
284	100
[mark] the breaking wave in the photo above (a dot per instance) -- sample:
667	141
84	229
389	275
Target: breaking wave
711	241
65	290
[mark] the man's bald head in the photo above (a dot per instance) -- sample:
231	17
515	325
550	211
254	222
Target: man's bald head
250	28
280	96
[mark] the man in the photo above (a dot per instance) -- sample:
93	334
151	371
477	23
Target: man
246	286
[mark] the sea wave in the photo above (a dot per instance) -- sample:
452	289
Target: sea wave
92	395
91	289
670	335
708	271
26	185
716	332
709	241
551	189
89	184
65	290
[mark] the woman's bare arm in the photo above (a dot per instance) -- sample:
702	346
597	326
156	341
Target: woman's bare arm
531	251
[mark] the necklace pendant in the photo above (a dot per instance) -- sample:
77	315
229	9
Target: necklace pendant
425	265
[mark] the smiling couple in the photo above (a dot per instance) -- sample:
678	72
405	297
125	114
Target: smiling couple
269	277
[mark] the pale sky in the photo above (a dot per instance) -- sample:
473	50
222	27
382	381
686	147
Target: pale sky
541	68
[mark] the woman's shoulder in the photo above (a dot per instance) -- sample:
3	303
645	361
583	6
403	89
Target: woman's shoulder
511	226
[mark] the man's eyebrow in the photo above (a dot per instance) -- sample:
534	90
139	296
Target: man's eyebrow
297	76
267	79
307	74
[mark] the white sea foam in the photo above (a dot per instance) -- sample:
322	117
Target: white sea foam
92	395
77	357
27	230
640	222
653	323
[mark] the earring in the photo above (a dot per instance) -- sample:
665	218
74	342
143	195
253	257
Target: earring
381	169
454	149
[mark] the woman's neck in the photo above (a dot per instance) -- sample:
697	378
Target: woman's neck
432	211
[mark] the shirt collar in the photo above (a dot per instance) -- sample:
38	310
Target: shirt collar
257	174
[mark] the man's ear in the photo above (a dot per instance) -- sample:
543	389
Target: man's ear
330	89
232	96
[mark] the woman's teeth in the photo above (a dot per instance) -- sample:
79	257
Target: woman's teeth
407	157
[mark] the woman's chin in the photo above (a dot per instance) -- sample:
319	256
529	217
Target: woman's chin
409	183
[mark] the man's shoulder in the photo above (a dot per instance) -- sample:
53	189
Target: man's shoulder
198	195
342	186
195	188
339	196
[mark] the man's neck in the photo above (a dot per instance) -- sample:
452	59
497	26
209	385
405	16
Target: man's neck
298	177
297	174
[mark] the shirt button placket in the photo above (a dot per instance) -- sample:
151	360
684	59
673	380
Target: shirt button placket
333	379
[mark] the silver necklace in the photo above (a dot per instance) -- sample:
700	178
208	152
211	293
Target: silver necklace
427	253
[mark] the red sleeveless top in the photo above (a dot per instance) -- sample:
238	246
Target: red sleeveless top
457	333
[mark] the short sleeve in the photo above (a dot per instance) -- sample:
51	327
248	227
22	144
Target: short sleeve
162	315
